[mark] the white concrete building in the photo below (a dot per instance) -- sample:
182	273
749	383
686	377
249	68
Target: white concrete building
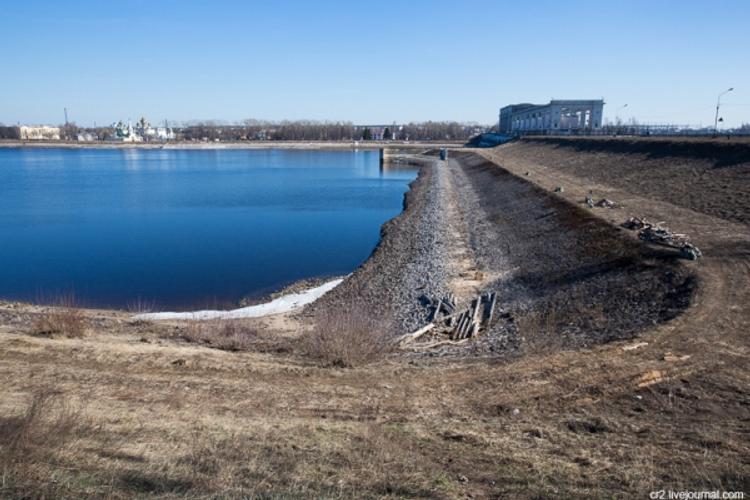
557	116
26	133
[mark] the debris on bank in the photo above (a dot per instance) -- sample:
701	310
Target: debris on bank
661	235
603	203
453	327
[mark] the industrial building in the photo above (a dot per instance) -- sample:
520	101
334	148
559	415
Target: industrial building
41	133
559	116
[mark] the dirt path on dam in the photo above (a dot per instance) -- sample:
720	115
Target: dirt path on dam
423	254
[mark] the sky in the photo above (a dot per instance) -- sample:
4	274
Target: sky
370	62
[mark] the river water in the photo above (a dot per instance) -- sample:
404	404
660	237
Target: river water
182	229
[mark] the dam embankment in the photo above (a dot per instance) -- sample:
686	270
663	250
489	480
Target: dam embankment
562	275
709	176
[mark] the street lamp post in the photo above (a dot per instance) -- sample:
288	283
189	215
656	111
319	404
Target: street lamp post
617	113
718	105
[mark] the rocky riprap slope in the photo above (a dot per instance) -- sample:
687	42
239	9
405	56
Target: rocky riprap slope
409	265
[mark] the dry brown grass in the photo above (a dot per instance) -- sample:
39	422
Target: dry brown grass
227	335
539	332
32	441
62	318
346	339
140	305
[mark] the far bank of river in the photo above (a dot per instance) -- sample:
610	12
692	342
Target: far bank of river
311	145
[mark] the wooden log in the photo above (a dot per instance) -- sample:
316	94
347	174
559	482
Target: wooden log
448	307
405	339
465	327
493	300
439	343
455	316
455	322
458	321
477	306
436	312
475	329
459	325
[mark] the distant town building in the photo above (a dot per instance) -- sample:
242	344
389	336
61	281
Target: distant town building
26	133
557	116
143	131
149	133
126	133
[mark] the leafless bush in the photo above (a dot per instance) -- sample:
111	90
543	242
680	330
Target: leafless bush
62	318
228	335
48	424
141	306
48	421
347	339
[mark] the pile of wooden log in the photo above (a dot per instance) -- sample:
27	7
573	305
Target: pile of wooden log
469	322
459	326
657	233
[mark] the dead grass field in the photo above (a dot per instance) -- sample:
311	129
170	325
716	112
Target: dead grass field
136	409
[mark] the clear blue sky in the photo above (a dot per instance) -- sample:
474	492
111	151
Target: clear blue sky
370	61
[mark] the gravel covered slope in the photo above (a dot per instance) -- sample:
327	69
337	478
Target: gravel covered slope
408	265
470	227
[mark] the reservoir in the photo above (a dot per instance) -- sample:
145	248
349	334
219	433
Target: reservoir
181	228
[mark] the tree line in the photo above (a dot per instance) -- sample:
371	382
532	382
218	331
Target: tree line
307	130
299	130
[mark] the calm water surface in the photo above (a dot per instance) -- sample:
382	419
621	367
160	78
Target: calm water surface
186	228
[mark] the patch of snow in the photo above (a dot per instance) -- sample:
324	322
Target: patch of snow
280	305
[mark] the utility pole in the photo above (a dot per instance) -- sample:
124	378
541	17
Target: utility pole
718	104
617	114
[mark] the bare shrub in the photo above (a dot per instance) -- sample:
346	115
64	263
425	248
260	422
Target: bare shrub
48	421
347	339
140	305
62	318
228	335
47	425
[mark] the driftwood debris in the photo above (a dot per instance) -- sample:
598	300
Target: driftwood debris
439	343
472	320
661	235
603	203
436	312
491	312
405	339
458	325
